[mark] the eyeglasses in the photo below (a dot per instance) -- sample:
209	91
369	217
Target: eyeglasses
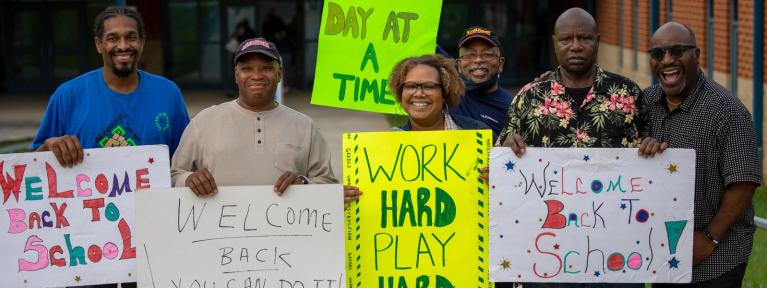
471	55
676	51
428	88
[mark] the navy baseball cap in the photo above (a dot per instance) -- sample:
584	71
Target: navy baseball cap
258	45
481	33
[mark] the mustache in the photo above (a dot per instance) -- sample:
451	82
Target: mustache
129	50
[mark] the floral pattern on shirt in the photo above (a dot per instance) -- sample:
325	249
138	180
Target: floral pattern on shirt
611	115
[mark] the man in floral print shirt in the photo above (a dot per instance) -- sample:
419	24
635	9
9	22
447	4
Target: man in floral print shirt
580	104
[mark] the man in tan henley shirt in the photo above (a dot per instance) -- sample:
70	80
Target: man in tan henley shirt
252	140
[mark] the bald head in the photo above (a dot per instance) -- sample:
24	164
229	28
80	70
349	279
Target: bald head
676	32
575	16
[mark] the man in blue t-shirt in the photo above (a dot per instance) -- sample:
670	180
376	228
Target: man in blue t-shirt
116	105
481	63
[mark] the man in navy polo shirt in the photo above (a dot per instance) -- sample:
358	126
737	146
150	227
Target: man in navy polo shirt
481	63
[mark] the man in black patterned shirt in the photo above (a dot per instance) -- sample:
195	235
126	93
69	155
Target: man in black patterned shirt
689	110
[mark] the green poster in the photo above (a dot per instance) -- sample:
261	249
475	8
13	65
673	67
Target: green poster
359	44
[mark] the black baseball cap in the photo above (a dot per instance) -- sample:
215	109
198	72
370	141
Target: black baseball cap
479	32
258	45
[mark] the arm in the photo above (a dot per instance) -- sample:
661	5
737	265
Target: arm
737	197
318	171
51	136
510	135
185	170
739	166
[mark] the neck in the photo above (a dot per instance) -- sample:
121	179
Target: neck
492	88
257	108
578	81
437	124
122	85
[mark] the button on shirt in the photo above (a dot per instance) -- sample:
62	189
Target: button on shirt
242	147
717	125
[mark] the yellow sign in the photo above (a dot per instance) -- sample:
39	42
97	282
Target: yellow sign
359	44
422	219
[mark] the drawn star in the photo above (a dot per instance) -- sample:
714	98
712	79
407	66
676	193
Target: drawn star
586	158
671	168
673	263
596	274
556	246
505	264
77	278
510	165
623	206
151	160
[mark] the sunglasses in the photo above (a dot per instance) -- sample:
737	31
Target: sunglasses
676	51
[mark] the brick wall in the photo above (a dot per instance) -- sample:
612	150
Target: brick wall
693	14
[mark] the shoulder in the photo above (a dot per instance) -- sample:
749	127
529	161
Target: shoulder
78	83
468	123
300	118
157	82
620	79
720	99
214	112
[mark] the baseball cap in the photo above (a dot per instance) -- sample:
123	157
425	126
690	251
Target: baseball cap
479	32
258	45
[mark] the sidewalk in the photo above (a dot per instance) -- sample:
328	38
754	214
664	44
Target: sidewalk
20	115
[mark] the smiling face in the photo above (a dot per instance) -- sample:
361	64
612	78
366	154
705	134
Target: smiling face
257	76
422	96
676	76
120	46
480	60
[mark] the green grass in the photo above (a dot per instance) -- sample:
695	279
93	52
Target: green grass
756	273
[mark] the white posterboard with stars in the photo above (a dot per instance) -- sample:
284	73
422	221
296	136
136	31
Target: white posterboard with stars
63	227
591	215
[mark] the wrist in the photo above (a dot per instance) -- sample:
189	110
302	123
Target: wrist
711	237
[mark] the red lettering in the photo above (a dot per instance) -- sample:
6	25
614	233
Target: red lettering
34	218
60	262
578	183
61	220
635	187
559	260
129	252
554	219
563	183
94	205
141	182
94	254
101	184
584	225
11	185
52	190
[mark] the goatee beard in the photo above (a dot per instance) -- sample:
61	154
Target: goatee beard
123	73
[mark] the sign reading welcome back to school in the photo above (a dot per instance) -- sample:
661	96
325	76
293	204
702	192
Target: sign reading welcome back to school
422	219
359	44
244	236
74	226
591	215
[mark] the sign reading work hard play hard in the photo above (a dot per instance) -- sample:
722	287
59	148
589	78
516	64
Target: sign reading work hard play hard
421	221
359	44
591	215
74	226
242	237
